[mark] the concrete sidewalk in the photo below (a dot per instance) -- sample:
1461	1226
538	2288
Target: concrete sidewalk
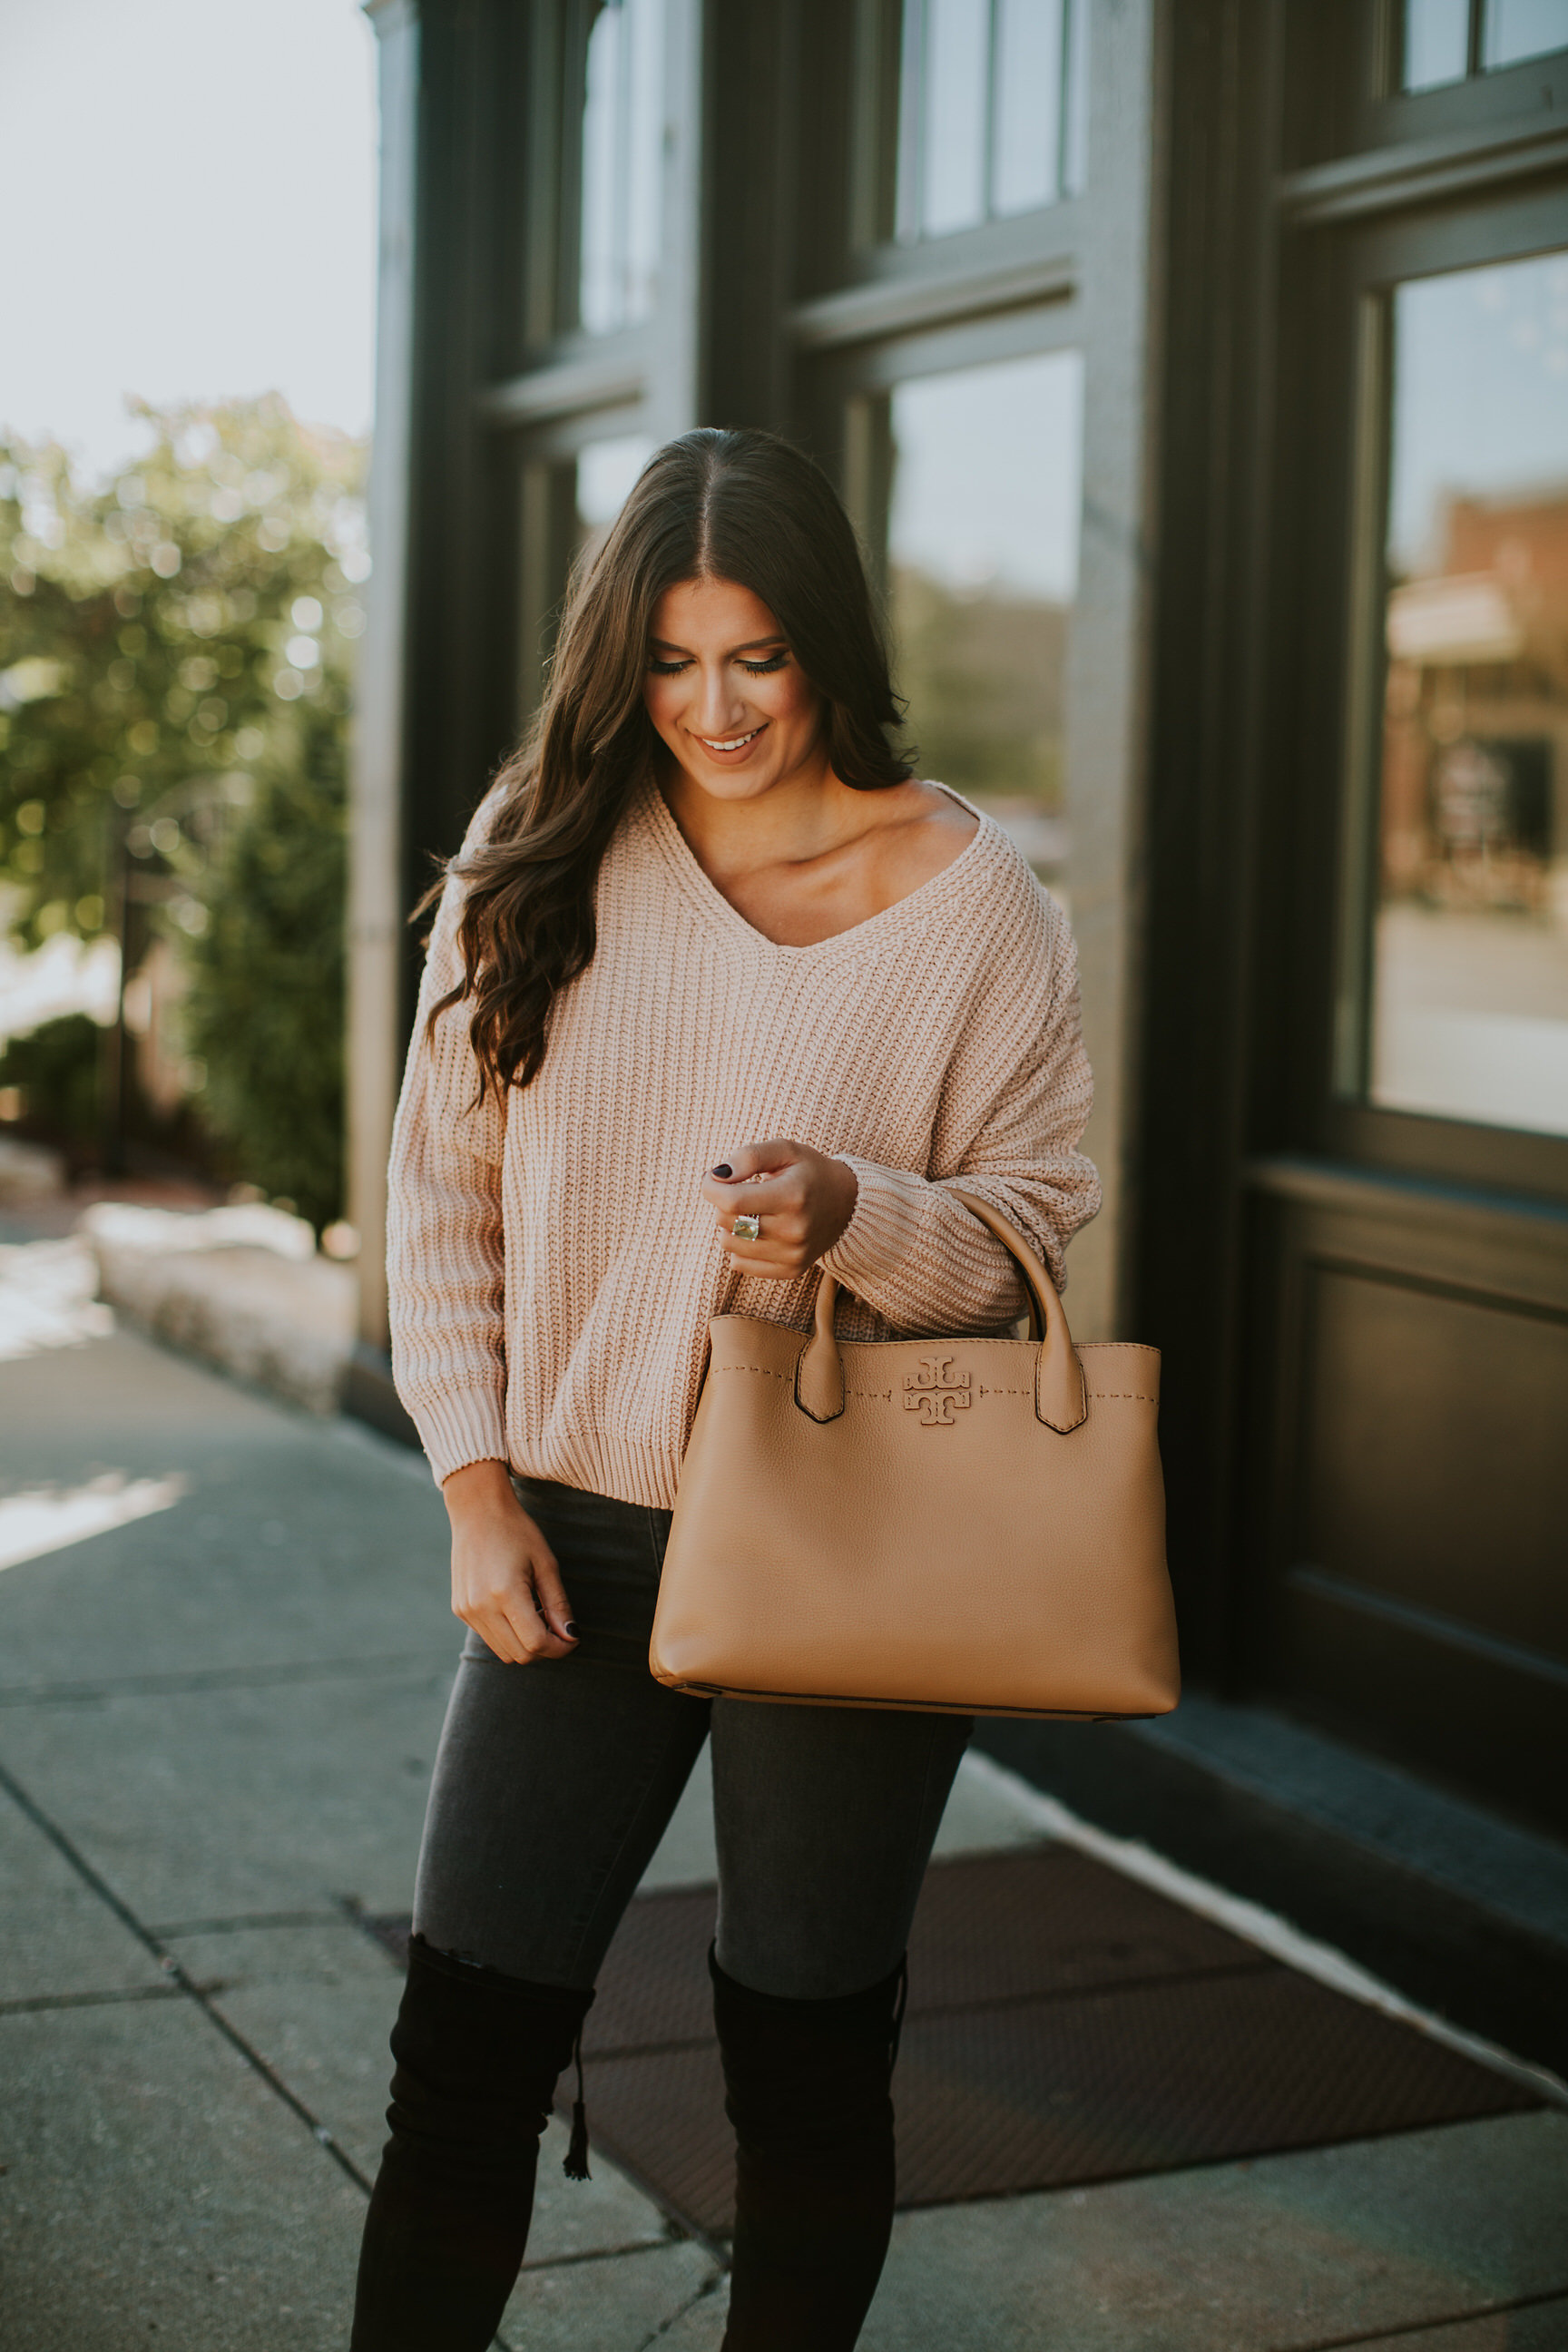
224	1655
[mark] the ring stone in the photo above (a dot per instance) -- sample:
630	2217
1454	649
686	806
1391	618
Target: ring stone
748	1229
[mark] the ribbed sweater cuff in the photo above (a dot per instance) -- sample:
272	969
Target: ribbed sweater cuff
460	1425
883	1230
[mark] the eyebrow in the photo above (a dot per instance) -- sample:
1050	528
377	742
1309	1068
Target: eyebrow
752	645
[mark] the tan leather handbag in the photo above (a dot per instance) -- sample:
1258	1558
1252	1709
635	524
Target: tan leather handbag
972	1527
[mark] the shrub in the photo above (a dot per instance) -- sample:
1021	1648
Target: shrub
265	1013
56	1067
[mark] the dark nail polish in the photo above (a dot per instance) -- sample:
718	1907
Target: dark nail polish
571	1631
723	1169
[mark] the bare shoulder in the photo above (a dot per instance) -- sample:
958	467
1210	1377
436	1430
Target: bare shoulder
922	831
939	813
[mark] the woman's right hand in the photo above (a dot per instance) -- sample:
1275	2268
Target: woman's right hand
505	1581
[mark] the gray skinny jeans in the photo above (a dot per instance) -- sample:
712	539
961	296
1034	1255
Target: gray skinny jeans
554	1781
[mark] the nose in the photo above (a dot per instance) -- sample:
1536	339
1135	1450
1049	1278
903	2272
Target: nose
721	706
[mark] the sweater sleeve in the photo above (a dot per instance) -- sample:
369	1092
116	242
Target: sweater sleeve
1016	1098
445	1256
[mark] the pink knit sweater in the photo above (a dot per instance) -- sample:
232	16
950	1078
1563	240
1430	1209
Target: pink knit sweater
552	1266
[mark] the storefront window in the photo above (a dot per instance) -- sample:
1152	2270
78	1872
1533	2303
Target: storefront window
623	115
1470	966
983	568
993	105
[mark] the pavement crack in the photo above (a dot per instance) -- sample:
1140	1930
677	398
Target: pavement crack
710	2286
27	2003
218	1678
169	1930
179	1980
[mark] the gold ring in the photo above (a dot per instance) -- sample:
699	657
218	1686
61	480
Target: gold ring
747	1229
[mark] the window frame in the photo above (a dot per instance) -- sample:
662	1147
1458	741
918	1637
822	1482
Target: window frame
1374	262
844	396
1484	94
1388	65
854	238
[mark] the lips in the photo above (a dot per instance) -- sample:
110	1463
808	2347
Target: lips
734	743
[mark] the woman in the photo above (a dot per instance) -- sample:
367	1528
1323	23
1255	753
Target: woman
716	991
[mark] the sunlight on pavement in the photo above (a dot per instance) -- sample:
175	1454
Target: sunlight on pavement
47	1298
49	1518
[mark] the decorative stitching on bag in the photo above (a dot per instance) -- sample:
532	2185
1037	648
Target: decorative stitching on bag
1097	1396
767	1372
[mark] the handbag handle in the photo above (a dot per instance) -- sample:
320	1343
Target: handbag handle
1061	1393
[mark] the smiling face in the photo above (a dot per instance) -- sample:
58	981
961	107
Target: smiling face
726	695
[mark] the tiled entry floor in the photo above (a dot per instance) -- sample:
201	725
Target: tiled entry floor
1065	2025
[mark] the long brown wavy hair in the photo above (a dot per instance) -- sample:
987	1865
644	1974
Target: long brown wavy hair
741	506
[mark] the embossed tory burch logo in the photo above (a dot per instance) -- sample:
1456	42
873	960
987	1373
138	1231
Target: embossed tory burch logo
936	1392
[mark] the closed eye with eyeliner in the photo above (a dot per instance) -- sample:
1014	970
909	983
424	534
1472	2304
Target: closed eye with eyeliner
666	668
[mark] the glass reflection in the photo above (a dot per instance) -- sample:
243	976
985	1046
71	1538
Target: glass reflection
993	107
623	115
983	568
1469	1011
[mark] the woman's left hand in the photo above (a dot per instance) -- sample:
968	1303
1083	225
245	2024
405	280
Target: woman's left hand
802	1198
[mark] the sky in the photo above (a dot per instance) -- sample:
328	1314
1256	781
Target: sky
189	189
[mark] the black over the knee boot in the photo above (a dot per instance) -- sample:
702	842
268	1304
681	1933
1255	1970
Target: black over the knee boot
477	2056
808	2084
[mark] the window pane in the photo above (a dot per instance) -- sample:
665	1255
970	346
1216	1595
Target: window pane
1470	947
645	154
1028	103
1436	42
982	567
993	110
956	71
622	125
605	473
1514	29
1075	115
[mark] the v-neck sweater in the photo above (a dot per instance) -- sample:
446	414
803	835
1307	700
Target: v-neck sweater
552	1266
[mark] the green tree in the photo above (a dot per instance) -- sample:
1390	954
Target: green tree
175	668
272	1056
